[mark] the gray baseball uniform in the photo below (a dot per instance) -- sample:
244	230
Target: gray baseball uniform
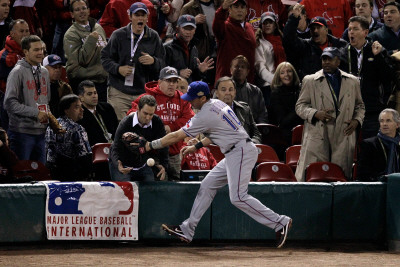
218	122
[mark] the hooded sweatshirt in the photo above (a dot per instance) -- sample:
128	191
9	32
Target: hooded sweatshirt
9	56
21	100
173	111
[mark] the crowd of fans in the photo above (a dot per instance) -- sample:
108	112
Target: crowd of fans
107	69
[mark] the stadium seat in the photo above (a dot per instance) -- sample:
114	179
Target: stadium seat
32	168
216	152
297	135
324	172
100	154
266	154
273	136
274	171
292	156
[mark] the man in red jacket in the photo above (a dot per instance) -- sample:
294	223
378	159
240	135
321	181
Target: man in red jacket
173	111
11	53
234	37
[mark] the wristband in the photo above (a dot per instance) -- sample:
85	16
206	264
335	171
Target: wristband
156	144
199	145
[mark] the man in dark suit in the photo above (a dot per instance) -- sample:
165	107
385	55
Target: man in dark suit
379	155
99	119
226	92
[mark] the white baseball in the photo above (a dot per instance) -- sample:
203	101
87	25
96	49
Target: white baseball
150	162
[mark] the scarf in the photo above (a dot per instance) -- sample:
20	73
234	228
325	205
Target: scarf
393	158
279	52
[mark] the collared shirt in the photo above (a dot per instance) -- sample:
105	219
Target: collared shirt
136	121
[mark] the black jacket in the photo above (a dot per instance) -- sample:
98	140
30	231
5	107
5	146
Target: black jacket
120	152
376	75
243	112
387	38
175	56
372	161
307	53
93	128
282	109
118	53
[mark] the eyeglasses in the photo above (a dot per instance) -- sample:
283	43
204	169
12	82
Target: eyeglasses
79	9
171	80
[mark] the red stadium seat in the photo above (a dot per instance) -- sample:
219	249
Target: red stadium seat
266	154
292	156
216	152
100	152
297	135
274	171
32	168
324	172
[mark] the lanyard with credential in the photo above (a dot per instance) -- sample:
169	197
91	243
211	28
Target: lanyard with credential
134	47
102	126
349	59
335	100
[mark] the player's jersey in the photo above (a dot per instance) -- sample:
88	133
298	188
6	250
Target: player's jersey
217	121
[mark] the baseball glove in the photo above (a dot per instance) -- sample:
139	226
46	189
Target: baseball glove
55	125
134	142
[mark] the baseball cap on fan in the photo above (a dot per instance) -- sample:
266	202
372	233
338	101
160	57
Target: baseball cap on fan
318	20
186	20
331	52
196	90
242	1
268	15
135	7
51	60
168	73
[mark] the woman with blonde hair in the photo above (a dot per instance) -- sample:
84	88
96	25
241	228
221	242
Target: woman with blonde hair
269	52
285	92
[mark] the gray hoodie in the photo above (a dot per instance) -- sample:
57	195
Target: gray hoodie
21	99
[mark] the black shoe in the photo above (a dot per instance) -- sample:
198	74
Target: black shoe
175	231
282	234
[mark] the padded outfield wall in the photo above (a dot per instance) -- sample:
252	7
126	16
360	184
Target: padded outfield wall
320	211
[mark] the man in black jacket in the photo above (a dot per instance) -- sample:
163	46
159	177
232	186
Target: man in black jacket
226	92
182	54
379	155
371	63
308	51
133	56
99	118
128	166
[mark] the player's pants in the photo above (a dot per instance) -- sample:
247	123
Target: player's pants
235	170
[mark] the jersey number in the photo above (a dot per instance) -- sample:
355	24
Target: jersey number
231	119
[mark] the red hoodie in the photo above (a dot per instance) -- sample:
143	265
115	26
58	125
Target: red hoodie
202	159
11	53
173	111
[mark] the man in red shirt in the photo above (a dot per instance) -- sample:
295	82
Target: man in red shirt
234	37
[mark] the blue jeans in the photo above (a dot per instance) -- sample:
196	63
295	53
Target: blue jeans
144	174
28	146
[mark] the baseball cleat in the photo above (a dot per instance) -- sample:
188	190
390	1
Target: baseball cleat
282	234
175	231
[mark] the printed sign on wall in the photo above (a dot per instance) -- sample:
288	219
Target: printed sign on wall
92	211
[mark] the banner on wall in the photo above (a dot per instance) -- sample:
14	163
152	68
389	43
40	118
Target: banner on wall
92	211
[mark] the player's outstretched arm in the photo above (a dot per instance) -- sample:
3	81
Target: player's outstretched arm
167	140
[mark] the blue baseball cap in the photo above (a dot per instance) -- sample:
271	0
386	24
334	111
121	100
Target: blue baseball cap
186	20
51	60
135	7
331	52
196	90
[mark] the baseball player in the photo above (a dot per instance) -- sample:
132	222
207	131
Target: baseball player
219	124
